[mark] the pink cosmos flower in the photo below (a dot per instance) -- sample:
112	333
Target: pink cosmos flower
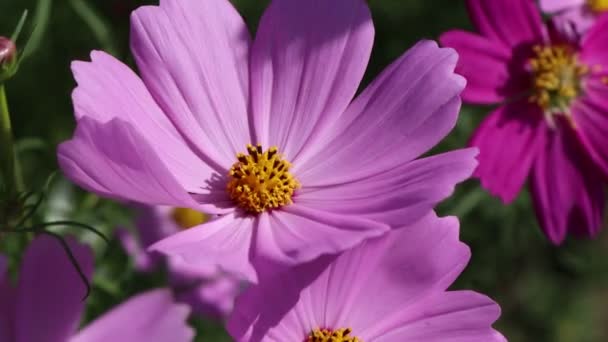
552	122
389	289
320	172
574	17
207	290
47	304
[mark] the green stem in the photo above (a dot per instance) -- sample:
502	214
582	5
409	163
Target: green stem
8	161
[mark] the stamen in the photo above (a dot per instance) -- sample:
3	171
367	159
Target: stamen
261	180
598	6
326	335
187	218
557	76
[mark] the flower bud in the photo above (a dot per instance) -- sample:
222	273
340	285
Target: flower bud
7	50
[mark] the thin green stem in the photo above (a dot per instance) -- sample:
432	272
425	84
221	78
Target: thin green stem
8	161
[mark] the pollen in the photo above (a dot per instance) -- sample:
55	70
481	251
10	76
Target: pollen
557	76
598	6
260	180
326	335
187	218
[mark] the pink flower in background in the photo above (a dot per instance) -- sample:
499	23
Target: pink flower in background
329	171
574	17
551	125
206	290
389	289
47	304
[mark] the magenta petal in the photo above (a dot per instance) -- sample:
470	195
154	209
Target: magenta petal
485	65
108	89
224	243
408	109
381	286
7	304
112	159
554	6
50	294
593	46
152	317
591	118
307	61
511	22
193	56
508	142
460	316
298	234
403	194
565	188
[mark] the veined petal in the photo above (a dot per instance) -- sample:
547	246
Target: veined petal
565	188
307	61
193	56
508	142
153	316
591	117
49	296
408	109
108	89
112	159
593	45
403	194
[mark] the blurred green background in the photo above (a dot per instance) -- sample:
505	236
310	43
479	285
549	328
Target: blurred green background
547	293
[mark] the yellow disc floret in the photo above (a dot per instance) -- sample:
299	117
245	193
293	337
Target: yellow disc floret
187	218
261	180
326	335
598	6
557	76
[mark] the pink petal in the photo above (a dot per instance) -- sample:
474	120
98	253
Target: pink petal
593	46
7	303
224	243
485	64
565	188
460	316
108	89
297	234
408	109
591	117
49	300
403	194
113	160
511	22
508	142
307	62
152	317
371	288
553	6
193	56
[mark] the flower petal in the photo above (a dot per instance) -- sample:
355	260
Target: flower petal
593	46
448	317
565	188
108	89
112	159
508	142
304	76
224	243
153	317
511	22
7	304
485	65
590	115
403	194
554	6
193	56
49	296
409	108
368	288
297	234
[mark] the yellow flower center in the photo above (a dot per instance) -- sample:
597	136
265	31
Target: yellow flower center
261	180
598	6
326	335
187	218
557	77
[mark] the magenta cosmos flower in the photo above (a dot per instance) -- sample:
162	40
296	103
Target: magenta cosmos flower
207	290
574	17
552	122
389	289
265	133
47	304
